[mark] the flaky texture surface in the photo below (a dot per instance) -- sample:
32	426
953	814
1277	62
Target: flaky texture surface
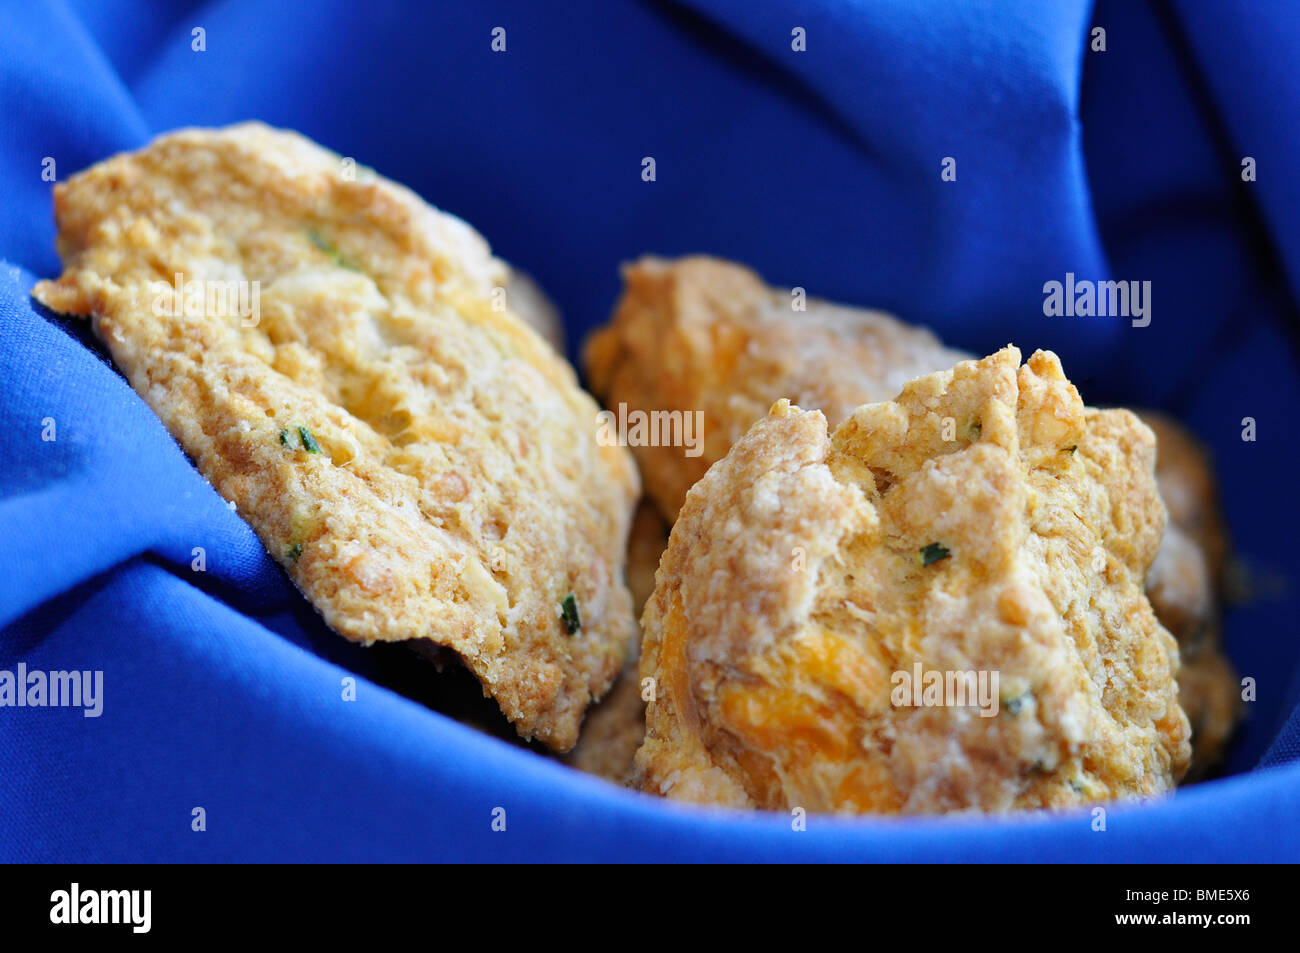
793	587
705	334
700	333
458	494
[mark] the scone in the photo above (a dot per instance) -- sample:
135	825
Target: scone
336	358
701	334
810	573
705	334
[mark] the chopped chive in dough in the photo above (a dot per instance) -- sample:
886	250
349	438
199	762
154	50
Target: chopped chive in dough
328	248
1071	448
973	431
284	438
308	441
932	554
1076	785
1015	706
569	612
294	551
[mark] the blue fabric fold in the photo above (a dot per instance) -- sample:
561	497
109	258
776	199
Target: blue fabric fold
821	168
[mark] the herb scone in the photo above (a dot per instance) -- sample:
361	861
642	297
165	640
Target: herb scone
330	352
700	333
984	521
704	334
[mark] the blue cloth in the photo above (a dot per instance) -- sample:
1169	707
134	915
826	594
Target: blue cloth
821	169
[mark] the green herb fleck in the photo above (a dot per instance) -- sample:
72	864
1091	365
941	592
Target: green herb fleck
1071	448
295	551
1076	786
308	441
329	248
569	612
973	430
284	438
1015	706
932	554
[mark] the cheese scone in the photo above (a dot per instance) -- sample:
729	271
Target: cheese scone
336	357
809	574
701	334
705	334
1177	585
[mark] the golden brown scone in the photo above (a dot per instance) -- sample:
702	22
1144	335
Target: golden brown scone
699	333
705	334
806	569
615	725
421	464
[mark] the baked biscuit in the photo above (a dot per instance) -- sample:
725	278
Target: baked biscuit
807	571
420	462
701	333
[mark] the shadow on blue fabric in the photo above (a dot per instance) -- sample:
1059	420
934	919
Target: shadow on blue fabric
819	168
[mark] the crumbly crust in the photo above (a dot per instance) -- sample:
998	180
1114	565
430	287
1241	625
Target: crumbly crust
459	493
792	589
701	333
705	334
